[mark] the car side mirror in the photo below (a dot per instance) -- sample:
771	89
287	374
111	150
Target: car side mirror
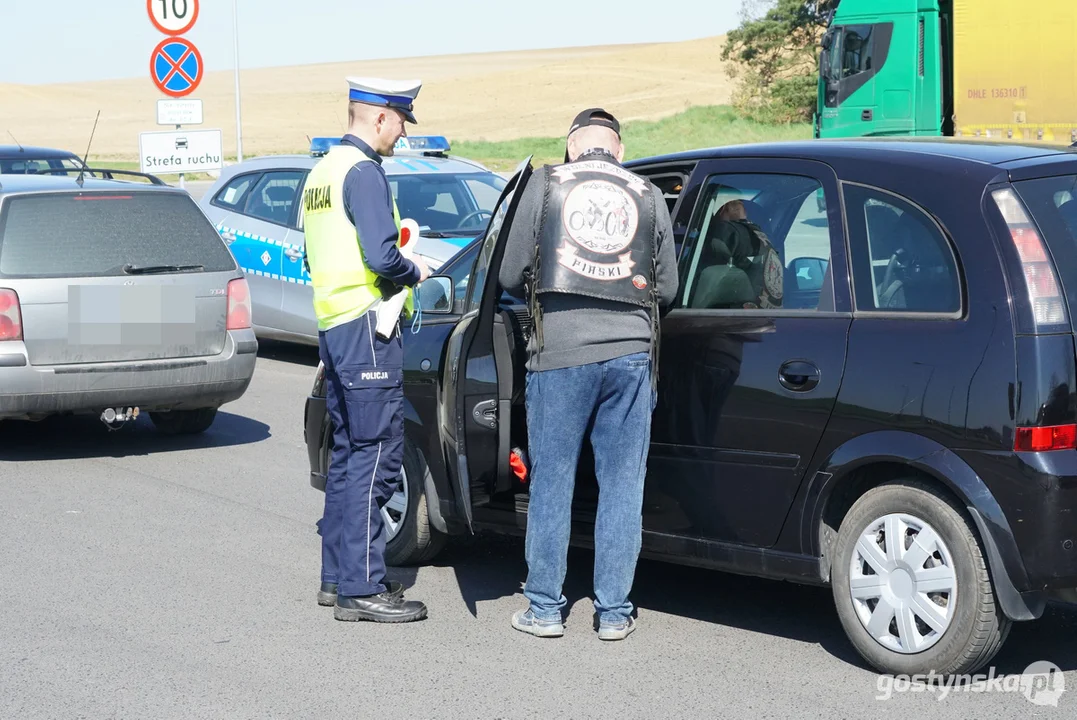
809	273
435	295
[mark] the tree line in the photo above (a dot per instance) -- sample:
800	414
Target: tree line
774	58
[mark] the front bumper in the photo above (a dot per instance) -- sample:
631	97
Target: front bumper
36	391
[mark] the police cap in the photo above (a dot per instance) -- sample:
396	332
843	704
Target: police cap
396	94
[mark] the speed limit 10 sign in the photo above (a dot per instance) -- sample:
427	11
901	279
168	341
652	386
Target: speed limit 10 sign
173	17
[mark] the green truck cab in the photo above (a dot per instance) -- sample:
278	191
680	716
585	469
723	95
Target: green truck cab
992	69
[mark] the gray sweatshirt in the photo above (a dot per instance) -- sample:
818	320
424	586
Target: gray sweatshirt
578	330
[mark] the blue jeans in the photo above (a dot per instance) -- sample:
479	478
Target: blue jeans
613	400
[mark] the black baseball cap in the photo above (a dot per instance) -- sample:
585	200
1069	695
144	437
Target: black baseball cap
594	116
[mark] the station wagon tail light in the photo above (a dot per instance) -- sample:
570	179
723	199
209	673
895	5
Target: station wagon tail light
1044	290
1042	439
10	316
239	305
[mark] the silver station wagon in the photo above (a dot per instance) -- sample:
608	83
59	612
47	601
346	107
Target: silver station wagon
117	298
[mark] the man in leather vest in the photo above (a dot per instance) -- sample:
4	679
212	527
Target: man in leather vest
593	245
352	228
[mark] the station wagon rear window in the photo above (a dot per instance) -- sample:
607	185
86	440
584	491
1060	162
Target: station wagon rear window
95	234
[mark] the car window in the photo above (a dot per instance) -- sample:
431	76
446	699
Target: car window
459	269
97	234
234	194
274	196
33	166
901	260
757	241
482	264
856	49
485	190
445	202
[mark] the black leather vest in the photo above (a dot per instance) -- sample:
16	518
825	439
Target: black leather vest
597	233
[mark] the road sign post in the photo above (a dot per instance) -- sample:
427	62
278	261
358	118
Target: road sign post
176	68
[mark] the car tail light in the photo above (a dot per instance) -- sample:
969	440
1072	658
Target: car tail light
1041	282
239	305
10	316
1041	439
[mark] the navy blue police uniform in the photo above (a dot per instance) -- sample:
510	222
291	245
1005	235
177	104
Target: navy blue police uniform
364	398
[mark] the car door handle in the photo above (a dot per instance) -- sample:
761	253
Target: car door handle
228	236
293	253
798	376
866	115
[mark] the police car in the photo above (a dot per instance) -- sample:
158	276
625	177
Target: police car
255	207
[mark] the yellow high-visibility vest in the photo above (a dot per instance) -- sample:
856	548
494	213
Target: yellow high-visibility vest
343	285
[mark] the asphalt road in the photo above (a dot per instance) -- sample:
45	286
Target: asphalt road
150	577
198	188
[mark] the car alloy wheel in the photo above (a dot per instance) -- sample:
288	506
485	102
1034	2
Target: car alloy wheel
902	583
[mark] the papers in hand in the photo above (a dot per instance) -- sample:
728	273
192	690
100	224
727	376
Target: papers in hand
390	308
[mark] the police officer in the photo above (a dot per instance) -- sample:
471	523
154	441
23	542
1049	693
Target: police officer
593	245
352	245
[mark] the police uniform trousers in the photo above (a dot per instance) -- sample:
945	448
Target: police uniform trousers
365	399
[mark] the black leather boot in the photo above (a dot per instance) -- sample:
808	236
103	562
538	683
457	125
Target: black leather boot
383	608
327	595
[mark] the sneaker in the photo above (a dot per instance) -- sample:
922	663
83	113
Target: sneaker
616	631
525	621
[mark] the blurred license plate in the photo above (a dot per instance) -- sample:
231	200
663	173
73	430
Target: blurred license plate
131	315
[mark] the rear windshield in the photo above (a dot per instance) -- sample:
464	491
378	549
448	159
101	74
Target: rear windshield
97	234
1052	202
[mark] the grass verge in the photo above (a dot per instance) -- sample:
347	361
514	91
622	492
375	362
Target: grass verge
698	127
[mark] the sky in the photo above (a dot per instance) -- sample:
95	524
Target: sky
53	41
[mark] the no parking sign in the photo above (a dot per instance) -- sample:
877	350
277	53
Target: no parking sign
176	67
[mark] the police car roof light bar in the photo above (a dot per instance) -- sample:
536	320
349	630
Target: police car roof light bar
424	144
320	145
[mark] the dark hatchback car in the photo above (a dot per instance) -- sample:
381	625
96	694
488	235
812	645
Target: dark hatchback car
27	160
899	424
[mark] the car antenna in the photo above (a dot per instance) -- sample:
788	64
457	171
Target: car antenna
21	148
82	171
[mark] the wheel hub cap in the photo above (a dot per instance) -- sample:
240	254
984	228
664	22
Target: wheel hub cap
902	583
395	512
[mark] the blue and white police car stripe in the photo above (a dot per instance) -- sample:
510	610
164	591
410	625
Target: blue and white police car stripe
271	253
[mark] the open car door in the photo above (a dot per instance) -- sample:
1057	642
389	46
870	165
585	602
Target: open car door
477	384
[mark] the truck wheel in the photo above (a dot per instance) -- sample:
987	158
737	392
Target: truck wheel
911	585
410	539
184	422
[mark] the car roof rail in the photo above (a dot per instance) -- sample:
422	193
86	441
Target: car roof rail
105	173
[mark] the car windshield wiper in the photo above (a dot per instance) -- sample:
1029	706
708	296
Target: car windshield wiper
450	233
151	269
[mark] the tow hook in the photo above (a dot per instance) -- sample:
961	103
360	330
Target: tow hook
116	418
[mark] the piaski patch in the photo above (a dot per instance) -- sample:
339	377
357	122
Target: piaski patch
601	217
